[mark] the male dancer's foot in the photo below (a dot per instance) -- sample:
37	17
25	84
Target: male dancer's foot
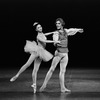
34	87
42	88
65	90
13	78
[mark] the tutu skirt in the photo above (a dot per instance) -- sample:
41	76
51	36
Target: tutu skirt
41	52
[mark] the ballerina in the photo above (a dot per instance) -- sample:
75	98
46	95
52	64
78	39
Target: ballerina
38	53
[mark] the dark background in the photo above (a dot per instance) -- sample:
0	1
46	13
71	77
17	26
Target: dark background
17	17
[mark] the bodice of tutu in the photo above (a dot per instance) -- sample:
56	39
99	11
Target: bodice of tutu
40	43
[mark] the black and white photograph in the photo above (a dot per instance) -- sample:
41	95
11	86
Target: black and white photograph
49	50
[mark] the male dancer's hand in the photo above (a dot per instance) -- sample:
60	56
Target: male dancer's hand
81	30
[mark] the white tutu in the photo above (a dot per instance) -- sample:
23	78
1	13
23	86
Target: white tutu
30	46
41	52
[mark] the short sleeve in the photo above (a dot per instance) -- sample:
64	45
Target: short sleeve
55	36
41	37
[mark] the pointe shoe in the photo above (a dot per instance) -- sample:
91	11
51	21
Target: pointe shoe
13	78
34	87
65	90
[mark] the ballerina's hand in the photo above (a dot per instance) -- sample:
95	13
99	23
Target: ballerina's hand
57	41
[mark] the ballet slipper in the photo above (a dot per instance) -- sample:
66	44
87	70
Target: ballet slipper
34	87
65	90
13	78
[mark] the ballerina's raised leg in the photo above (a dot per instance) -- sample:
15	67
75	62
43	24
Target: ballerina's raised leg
24	67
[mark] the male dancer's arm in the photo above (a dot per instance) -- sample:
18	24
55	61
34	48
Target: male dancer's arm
62	42
73	31
55	37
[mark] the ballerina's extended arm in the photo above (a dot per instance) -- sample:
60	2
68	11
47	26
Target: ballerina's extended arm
49	33
46	41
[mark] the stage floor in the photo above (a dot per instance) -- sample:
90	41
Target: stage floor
83	83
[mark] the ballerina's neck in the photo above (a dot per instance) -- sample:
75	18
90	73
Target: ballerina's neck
40	32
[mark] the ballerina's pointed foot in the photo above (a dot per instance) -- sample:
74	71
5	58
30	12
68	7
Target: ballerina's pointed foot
34	87
13	78
65	90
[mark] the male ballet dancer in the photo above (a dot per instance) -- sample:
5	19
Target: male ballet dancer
61	54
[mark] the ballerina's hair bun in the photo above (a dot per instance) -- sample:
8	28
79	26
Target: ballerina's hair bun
35	24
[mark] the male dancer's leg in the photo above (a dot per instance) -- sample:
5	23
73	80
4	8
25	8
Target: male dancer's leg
55	61
24	67
63	64
37	63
